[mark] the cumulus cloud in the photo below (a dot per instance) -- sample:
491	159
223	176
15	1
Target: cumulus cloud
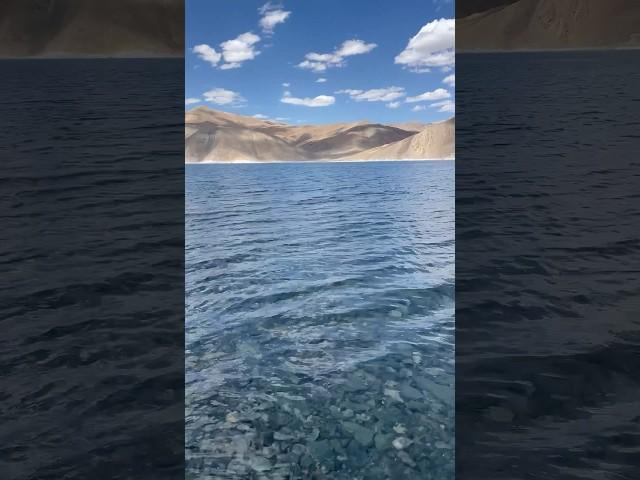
260	116
238	50
419	108
445	106
191	101
220	96
437	94
234	52
207	53
286	85
319	62
450	80
388	94
319	101
393	105
321	80
432	46
272	15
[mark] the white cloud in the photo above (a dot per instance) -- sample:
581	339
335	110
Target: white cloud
350	91
319	62
419	108
230	66
321	80
393	105
272	15
220	96
207	53
286	85
450	80
375	95
355	47
191	101
437	94
234	52
444	106
319	101
260	116
238	50
432	46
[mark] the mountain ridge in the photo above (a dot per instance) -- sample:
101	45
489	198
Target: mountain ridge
216	136
79	28
551	25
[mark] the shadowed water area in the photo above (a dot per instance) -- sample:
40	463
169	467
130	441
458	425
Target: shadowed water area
91	261
547	266
320	321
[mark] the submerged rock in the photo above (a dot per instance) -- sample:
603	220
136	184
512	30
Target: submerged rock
280	436
347	413
406	459
399	428
363	435
232	417
442	392
401	443
416	357
355	384
383	441
320	449
393	394
260	464
410	393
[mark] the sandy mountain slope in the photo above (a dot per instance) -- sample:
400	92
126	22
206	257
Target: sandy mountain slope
552	24
294	135
468	7
354	140
212	135
436	141
209	142
410	126
91	27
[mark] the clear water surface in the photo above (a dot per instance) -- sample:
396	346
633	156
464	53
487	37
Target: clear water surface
320	320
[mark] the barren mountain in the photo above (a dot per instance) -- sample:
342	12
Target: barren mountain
354	140
410	126
210	142
214	136
552	24
436	141
49	28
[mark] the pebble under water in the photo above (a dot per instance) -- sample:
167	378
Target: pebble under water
320	321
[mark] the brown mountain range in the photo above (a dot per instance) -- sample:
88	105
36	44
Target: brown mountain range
214	136
50	28
551	24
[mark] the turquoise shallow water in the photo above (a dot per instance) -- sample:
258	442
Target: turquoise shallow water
320	320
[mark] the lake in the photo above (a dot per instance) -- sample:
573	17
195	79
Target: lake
320	320
91	252
547	249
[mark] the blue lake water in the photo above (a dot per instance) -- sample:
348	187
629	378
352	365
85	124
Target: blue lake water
547	255
320	320
91	255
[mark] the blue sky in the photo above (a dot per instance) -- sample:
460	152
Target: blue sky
322	61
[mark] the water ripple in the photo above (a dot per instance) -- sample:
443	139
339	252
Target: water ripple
319	304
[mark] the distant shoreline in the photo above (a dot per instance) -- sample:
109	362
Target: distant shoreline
139	56
552	50
253	162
